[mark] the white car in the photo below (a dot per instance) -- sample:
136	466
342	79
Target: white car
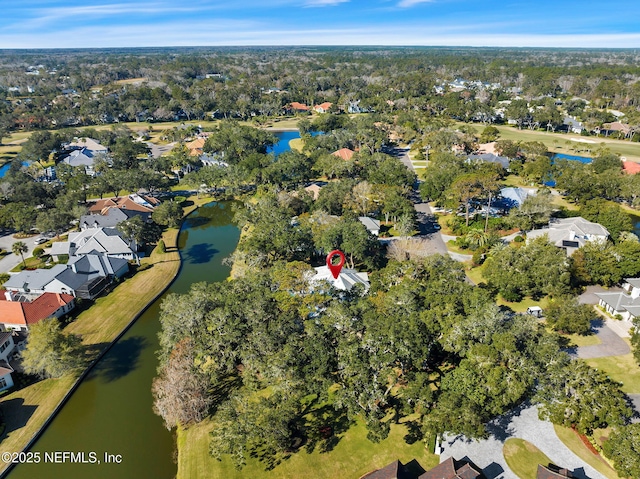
40	241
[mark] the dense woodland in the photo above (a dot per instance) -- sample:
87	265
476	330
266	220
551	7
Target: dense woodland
277	365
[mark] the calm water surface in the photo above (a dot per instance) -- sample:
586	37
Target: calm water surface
111	410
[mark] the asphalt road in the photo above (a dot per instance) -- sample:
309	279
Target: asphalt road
11	260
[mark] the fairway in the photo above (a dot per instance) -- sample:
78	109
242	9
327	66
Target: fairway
568	144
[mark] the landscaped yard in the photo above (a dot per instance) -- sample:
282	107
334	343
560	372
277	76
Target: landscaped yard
623	369
523	458
353	456
573	442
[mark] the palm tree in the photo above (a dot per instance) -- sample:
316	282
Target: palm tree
19	247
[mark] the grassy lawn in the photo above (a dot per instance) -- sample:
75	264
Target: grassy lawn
297	144
353	456
580	341
573	442
475	274
623	369
521	306
26	410
523	458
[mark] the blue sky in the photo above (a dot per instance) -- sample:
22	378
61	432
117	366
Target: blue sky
131	23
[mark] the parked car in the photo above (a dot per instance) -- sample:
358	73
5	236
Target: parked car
40	241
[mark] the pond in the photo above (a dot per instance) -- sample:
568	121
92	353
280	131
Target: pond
111	410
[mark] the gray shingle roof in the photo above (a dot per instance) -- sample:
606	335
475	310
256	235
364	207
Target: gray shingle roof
34	280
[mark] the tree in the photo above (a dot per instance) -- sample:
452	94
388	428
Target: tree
609	215
180	391
576	395
565	314
51	353
623	448
464	189
534	211
20	248
168	213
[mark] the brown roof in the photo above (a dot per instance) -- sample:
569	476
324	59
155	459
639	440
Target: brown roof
444	470
24	313
552	472
198	144
617	126
314	189
324	106
122	202
344	153
299	106
449	469
395	470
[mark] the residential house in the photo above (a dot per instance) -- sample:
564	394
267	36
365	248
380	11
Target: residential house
626	304
489	158
132	202
323	107
616	127
571	233
344	153
6	346
212	159
196	146
630	167
90	144
345	281
106	241
373	226
553	472
18	313
298	107
100	264
6	381
573	126
448	469
452	469
111	218
84	152
513	197
395	470
314	189
85	280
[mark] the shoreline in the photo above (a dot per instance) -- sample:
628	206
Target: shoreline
171	241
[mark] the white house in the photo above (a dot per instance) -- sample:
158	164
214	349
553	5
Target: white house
373	226
571	233
6	381
95	240
626	304
345	281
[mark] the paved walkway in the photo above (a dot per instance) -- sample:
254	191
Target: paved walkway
522	423
611	344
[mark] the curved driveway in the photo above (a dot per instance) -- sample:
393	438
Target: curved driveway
522	423
610	343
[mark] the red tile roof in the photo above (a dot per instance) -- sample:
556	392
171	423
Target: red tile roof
631	167
23	314
299	106
344	153
323	106
123	202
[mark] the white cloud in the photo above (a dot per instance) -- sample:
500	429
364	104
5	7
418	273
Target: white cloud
411	3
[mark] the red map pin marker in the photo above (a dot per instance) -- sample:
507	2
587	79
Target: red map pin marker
335	268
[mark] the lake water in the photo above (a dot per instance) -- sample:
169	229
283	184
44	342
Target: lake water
562	156
111	410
